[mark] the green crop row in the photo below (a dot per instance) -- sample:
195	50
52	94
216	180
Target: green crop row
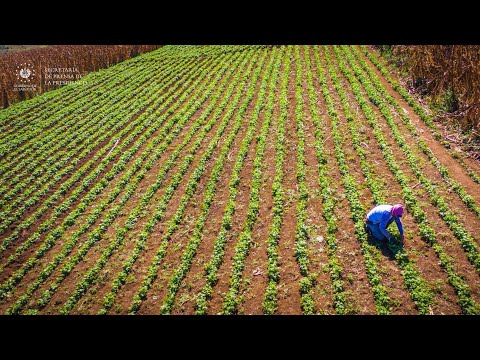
419	290
427	233
75	116
459	230
246	141
118	73
231	300
270	300
216	259
101	117
327	193
140	245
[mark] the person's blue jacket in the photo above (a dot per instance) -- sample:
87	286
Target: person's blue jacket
382	216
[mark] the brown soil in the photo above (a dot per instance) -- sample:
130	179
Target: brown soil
142	187
432	214
45	131
358	290
417	250
255	276
179	239
131	236
317	252
27	232
194	281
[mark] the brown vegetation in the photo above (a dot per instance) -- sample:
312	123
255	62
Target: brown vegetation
85	58
449	71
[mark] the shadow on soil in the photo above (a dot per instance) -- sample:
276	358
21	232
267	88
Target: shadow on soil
387	250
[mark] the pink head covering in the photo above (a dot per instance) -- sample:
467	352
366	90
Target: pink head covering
397	210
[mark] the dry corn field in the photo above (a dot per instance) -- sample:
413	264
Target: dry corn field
234	180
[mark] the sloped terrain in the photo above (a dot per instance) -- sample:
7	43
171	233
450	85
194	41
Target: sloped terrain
234	180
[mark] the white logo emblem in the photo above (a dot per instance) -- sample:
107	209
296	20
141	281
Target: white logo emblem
25	72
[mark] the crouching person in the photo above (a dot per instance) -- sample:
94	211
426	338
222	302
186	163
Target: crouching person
380	217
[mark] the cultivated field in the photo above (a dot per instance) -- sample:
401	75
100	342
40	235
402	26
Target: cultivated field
234	180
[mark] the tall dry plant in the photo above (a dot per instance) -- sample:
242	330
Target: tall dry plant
438	69
86	58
